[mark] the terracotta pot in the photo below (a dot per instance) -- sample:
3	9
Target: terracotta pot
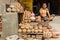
20	30
9	9
32	30
29	31
33	36
47	34
36	31
35	27
13	9
40	27
12	6
30	39
27	27
22	27
30	27
24	30
39	30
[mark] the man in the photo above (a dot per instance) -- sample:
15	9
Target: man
44	12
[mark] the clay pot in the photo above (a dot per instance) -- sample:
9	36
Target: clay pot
36	31
35	27
24	30
30	27
36	39
28	30
12	6
20	30
33	36
30	39
40	27
22	27
47	34
32	30
14	10
39	30
9	9
27	27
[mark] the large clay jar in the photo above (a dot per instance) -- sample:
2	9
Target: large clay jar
47	34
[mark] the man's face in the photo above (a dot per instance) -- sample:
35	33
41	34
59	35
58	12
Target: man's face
44	5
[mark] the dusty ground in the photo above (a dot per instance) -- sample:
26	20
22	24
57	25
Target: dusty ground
56	26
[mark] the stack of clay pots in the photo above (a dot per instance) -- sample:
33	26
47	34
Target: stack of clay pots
26	16
49	33
27	28
36	29
12	8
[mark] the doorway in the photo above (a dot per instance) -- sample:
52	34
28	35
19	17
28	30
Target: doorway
53	6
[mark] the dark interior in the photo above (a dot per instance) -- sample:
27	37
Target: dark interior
53	5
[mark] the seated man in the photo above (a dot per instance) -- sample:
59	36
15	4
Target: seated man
44	12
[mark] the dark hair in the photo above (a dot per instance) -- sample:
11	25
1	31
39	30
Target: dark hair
44	3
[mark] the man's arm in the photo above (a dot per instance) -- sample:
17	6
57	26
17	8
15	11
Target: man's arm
48	12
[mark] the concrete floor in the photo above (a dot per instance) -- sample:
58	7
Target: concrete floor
55	25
